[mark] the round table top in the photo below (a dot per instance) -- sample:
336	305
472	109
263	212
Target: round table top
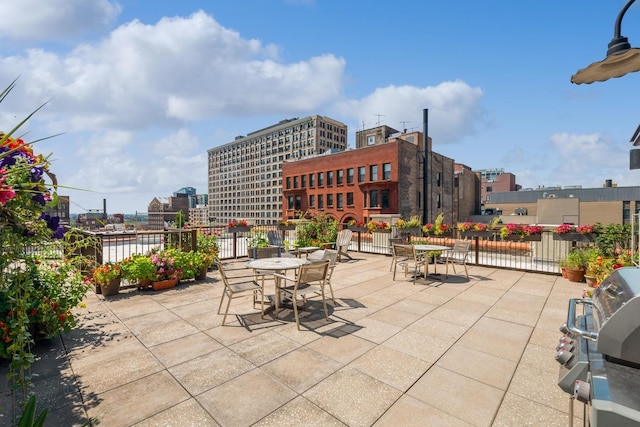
432	248
276	263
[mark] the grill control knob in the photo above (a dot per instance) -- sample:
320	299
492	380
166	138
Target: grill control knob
581	391
564	328
563	357
565	346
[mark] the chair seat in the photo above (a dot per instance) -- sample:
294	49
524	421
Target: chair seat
244	286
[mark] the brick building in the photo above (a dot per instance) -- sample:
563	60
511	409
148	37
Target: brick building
496	181
381	178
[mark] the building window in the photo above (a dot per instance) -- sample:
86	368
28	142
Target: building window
371	140
312	201
320	179
361	171
339	176
349	199
295	182
386	171
320	201
329	178
298	203
350	176
438	178
329	199
288	183
385	199
373	199
339	201
489	189
438	201
304	181
626	212
290	202
373	173
312	180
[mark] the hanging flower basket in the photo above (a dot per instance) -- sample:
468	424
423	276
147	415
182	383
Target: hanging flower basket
575	237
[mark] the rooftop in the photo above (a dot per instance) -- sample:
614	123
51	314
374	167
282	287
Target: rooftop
452	351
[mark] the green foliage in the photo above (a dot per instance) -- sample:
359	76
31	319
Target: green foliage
577	259
179	219
27	418
613	238
321	228
257	239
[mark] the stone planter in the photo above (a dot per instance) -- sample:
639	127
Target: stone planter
591	281
111	288
575	237
239	229
164	284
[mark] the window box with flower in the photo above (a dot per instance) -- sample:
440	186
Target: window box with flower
571	233
521	233
379	226
358	226
475	229
412	226
439	228
238	226
287	225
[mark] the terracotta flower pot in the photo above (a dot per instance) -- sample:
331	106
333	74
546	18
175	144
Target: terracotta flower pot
164	284
575	275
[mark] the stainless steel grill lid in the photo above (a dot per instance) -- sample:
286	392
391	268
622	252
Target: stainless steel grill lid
616	305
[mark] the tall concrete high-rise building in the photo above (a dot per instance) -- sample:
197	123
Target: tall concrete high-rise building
245	176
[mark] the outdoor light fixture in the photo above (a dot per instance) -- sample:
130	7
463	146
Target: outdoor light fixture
621	58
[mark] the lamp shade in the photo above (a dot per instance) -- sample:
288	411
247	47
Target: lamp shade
615	65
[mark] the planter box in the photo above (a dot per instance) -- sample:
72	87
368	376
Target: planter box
444	235
412	231
358	229
286	227
111	288
487	235
164	284
238	229
519	238
575	237
382	230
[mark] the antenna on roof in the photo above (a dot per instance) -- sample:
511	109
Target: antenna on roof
404	123
379	115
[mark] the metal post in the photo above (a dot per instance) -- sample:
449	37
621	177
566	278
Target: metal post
425	167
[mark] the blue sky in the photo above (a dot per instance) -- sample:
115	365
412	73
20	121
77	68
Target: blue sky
142	89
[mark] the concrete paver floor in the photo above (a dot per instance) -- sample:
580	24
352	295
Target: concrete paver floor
451	352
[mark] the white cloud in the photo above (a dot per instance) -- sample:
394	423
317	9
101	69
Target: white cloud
37	20
180	69
454	109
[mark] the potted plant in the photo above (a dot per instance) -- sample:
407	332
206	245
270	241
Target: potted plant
107	277
166	273
439	228
287	225
474	229
258	246
140	270
355	225
521	232
583	233
575	264
207	243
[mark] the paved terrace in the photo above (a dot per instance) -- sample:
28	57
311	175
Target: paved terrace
454	352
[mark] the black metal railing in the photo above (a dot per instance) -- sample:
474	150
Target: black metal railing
538	256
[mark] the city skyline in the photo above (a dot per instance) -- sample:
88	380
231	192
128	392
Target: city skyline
139	92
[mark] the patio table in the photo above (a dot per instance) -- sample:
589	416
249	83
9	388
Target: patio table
277	265
306	250
430	248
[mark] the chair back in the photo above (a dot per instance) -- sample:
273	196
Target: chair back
404	252
275	238
313	272
332	256
460	249
344	237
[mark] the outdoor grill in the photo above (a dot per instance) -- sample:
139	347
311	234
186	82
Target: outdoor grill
600	352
